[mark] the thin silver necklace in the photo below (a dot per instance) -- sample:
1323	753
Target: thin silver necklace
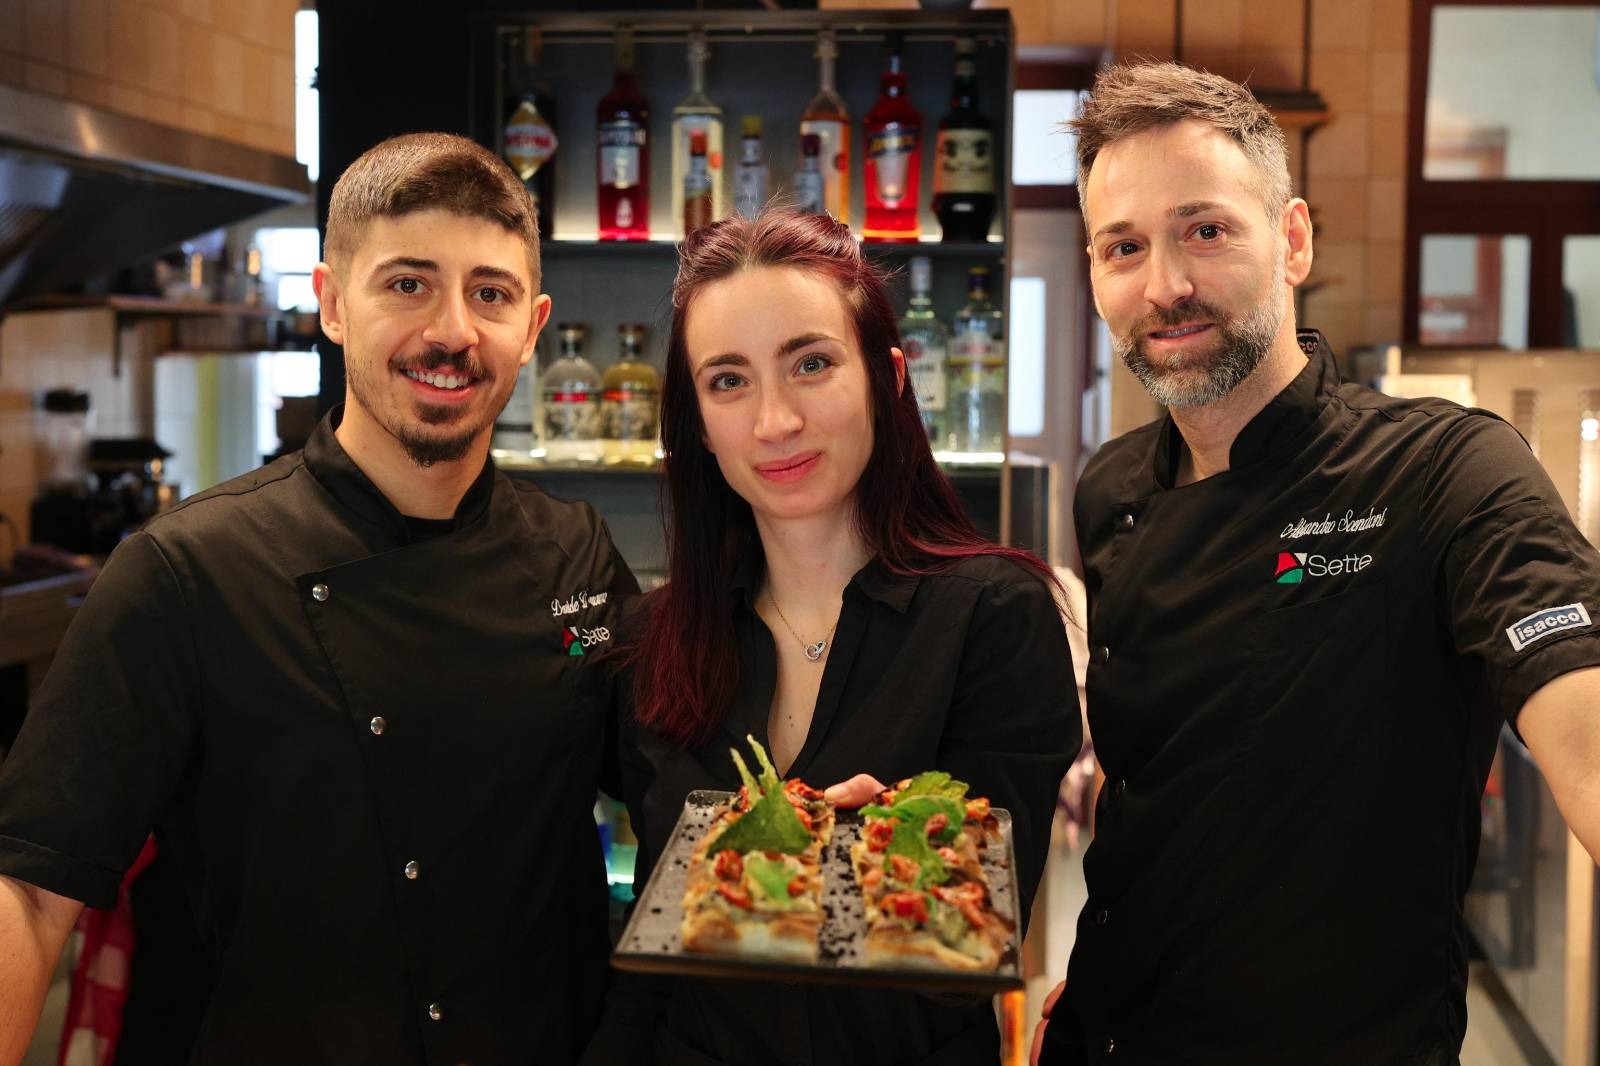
813	651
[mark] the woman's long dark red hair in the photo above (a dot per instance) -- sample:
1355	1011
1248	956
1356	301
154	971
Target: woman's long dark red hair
686	661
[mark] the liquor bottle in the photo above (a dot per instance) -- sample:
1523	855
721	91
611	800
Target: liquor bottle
630	402
623	120
514	435
810	184
752	182
828	118
697	112
696	202
963	157
977	400
926	343
894	156
571	394
529	139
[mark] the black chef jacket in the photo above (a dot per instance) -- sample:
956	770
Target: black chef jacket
374	755
965	671
1298	671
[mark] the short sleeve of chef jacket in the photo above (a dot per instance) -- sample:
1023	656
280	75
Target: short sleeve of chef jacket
1518	584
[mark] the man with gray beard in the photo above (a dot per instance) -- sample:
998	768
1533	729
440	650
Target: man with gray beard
1312	607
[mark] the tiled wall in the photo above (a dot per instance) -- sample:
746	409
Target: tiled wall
1355	165
219	67
43	350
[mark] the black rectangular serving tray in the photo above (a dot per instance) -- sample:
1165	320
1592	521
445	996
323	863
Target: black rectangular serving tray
651	944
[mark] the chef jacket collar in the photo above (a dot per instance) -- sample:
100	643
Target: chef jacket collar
335	471
875	580
1280	422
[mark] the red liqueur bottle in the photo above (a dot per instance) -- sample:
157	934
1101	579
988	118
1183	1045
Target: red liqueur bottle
893	168
623	138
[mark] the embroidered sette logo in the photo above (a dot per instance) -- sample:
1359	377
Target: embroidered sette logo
1541	624
576	638
572	641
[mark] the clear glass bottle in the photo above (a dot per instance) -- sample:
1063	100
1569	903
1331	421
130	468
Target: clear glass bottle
752	181
828	118
623	151
515	430
893	172
810	185
697	112
926	343
630	402
976	418
570	391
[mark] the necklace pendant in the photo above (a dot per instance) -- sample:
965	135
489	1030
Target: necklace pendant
814	651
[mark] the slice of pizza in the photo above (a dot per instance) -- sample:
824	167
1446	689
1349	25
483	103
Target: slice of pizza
919	864
755	879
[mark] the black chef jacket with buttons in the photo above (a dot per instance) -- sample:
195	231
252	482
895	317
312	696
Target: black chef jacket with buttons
966	671
1298	672
373	755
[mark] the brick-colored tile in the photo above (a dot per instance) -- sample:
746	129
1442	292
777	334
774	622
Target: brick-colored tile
89	22
233	129
1078	23
1386	209
1144	28
96	92
1386	265
1391	24
129	60
1273	70
166	110
44	78
45	31
1341	266
127	100
1342	24
1387	151
1032	23
227	65
1339	207
165	44
282	111
1340	147
1383	325
1274	24
197	11
1213	25
257	78
198	120
1343	79
1390	82
199	74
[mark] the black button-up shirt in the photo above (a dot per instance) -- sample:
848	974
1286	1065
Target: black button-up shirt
1301	667
374	754
965	671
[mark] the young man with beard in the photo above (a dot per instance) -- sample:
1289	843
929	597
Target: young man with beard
1311	608
347	690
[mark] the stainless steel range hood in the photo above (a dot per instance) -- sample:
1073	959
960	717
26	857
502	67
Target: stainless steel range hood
84	191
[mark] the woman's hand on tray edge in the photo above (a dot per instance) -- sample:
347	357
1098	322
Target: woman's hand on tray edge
856	792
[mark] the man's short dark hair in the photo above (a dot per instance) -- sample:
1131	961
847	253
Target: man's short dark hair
428	171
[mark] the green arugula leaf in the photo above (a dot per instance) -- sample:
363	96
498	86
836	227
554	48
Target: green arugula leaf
911	840
934	783
770	824
771	876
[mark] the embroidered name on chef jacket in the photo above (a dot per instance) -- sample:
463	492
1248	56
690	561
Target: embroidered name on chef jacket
1541	624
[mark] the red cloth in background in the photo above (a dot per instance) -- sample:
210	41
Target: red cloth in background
100	979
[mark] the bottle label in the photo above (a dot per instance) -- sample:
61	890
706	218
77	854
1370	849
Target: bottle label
620	144
809	192
571	414
530	142
979	347
629	414
835	156
964	162
891	150
925	363
749	189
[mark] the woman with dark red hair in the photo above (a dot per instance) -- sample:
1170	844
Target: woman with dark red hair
828	595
